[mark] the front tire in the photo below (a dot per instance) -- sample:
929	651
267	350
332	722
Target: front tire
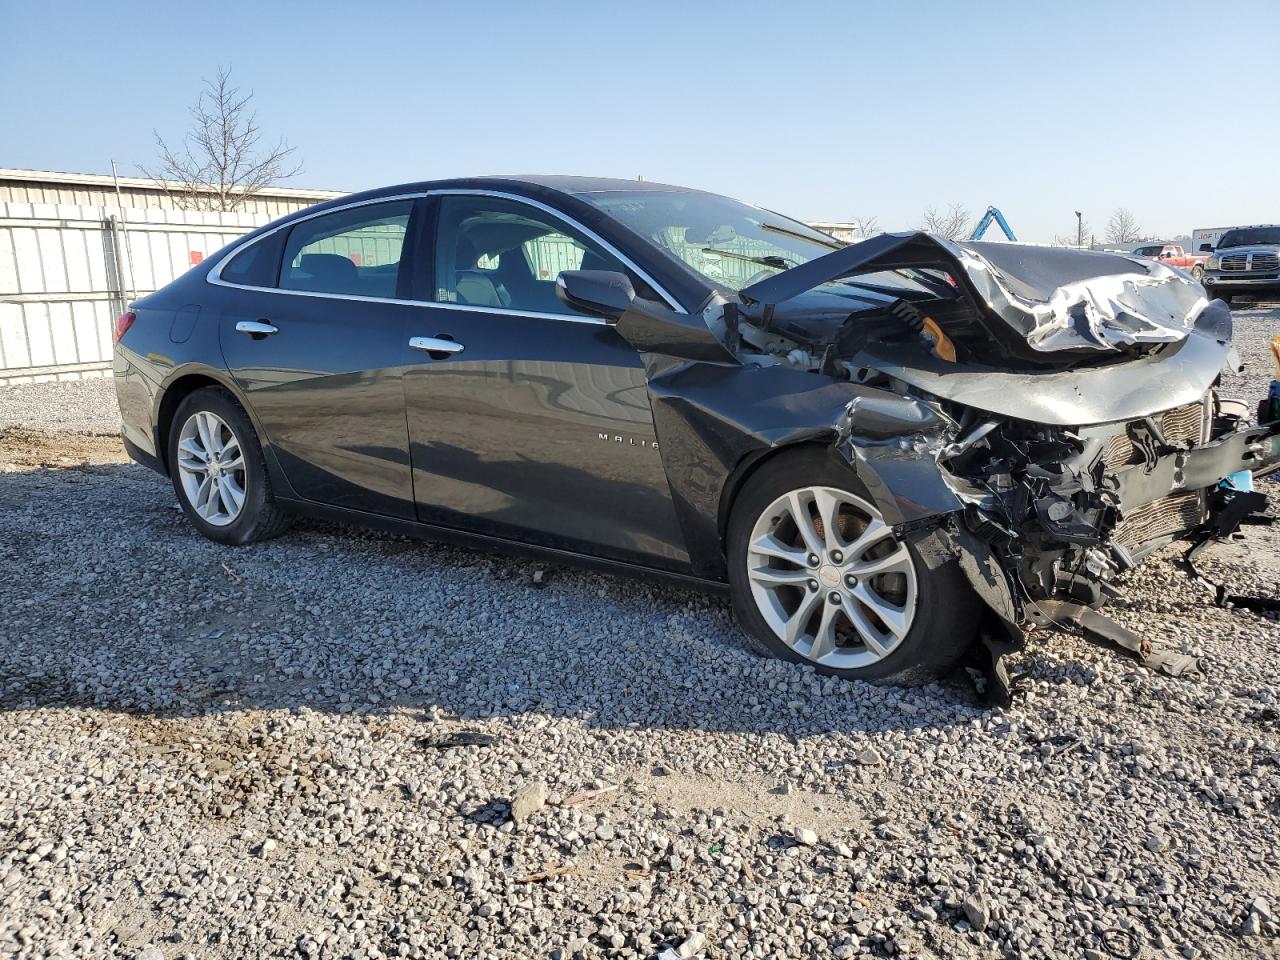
818	577
219	473
1197	271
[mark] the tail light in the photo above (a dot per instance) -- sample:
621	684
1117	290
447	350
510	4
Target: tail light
123	323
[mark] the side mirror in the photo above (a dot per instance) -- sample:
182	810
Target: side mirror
600	293
1206	248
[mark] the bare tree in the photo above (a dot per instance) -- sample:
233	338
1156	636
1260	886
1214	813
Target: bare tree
221	163
1123	227
955	224
1077	237
867	226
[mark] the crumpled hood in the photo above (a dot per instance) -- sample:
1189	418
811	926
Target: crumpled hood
1053	298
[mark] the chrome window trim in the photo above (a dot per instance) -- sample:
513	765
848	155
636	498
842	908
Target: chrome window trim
214	276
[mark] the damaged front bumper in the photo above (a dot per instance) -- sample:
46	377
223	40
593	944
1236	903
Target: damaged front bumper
1045	515
1042	519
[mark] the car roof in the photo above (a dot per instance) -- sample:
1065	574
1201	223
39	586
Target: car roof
559	183
577	184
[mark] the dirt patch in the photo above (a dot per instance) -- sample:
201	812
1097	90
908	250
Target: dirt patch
26	449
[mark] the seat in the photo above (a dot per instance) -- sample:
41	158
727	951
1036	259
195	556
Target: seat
328	273
472	285
476	289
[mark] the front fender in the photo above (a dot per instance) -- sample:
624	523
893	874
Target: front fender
903	478
715	417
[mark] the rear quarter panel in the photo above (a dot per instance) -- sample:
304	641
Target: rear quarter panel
174	336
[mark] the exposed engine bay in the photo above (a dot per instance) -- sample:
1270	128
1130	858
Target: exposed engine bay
1052	415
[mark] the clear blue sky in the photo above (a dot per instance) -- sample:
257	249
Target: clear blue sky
821	110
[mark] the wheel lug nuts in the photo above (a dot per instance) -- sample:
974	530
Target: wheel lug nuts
833	597
851	580
836	556
813	586
813	559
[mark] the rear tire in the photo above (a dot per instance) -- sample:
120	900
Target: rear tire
882	611
219	472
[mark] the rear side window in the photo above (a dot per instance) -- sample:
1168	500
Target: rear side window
253	266
354	252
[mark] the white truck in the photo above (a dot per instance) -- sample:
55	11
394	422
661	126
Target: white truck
1205	235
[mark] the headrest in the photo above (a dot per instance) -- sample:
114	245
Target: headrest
330	266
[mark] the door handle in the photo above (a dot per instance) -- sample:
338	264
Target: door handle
436	345
256	328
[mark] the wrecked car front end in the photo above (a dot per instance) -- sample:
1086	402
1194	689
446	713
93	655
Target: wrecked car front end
1065	494
1076	418
1050	416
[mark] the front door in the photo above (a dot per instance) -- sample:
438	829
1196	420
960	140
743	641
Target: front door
320	354
538	429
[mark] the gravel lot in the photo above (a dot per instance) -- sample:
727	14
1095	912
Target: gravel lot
312	748
71	406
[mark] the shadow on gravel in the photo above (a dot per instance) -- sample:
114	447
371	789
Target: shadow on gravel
113	602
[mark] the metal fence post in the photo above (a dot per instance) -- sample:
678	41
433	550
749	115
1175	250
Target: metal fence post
114	265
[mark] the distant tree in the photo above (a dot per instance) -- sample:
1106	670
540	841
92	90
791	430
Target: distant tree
954	224
1078	234
1123	227
221	163
867	226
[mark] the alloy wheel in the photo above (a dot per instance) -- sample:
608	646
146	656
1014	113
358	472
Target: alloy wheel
211	468
830	578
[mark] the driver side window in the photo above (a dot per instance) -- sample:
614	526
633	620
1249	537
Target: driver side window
499	253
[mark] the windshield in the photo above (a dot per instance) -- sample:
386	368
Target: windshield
730	243
1244	238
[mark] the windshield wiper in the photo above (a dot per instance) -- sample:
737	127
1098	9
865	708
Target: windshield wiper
831	242
772	260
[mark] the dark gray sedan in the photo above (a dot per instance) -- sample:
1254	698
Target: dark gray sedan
882	450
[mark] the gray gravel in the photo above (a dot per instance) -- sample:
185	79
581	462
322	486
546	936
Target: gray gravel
69	406
310	748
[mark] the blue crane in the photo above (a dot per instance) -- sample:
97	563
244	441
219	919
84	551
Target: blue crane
993	213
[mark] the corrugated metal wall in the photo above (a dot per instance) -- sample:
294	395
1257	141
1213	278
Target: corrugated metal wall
67	270
95	190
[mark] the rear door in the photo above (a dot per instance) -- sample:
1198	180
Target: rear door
537	428
320	352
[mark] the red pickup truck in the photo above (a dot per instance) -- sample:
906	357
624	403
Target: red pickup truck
1175	256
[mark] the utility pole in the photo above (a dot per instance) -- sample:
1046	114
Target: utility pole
1079	229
